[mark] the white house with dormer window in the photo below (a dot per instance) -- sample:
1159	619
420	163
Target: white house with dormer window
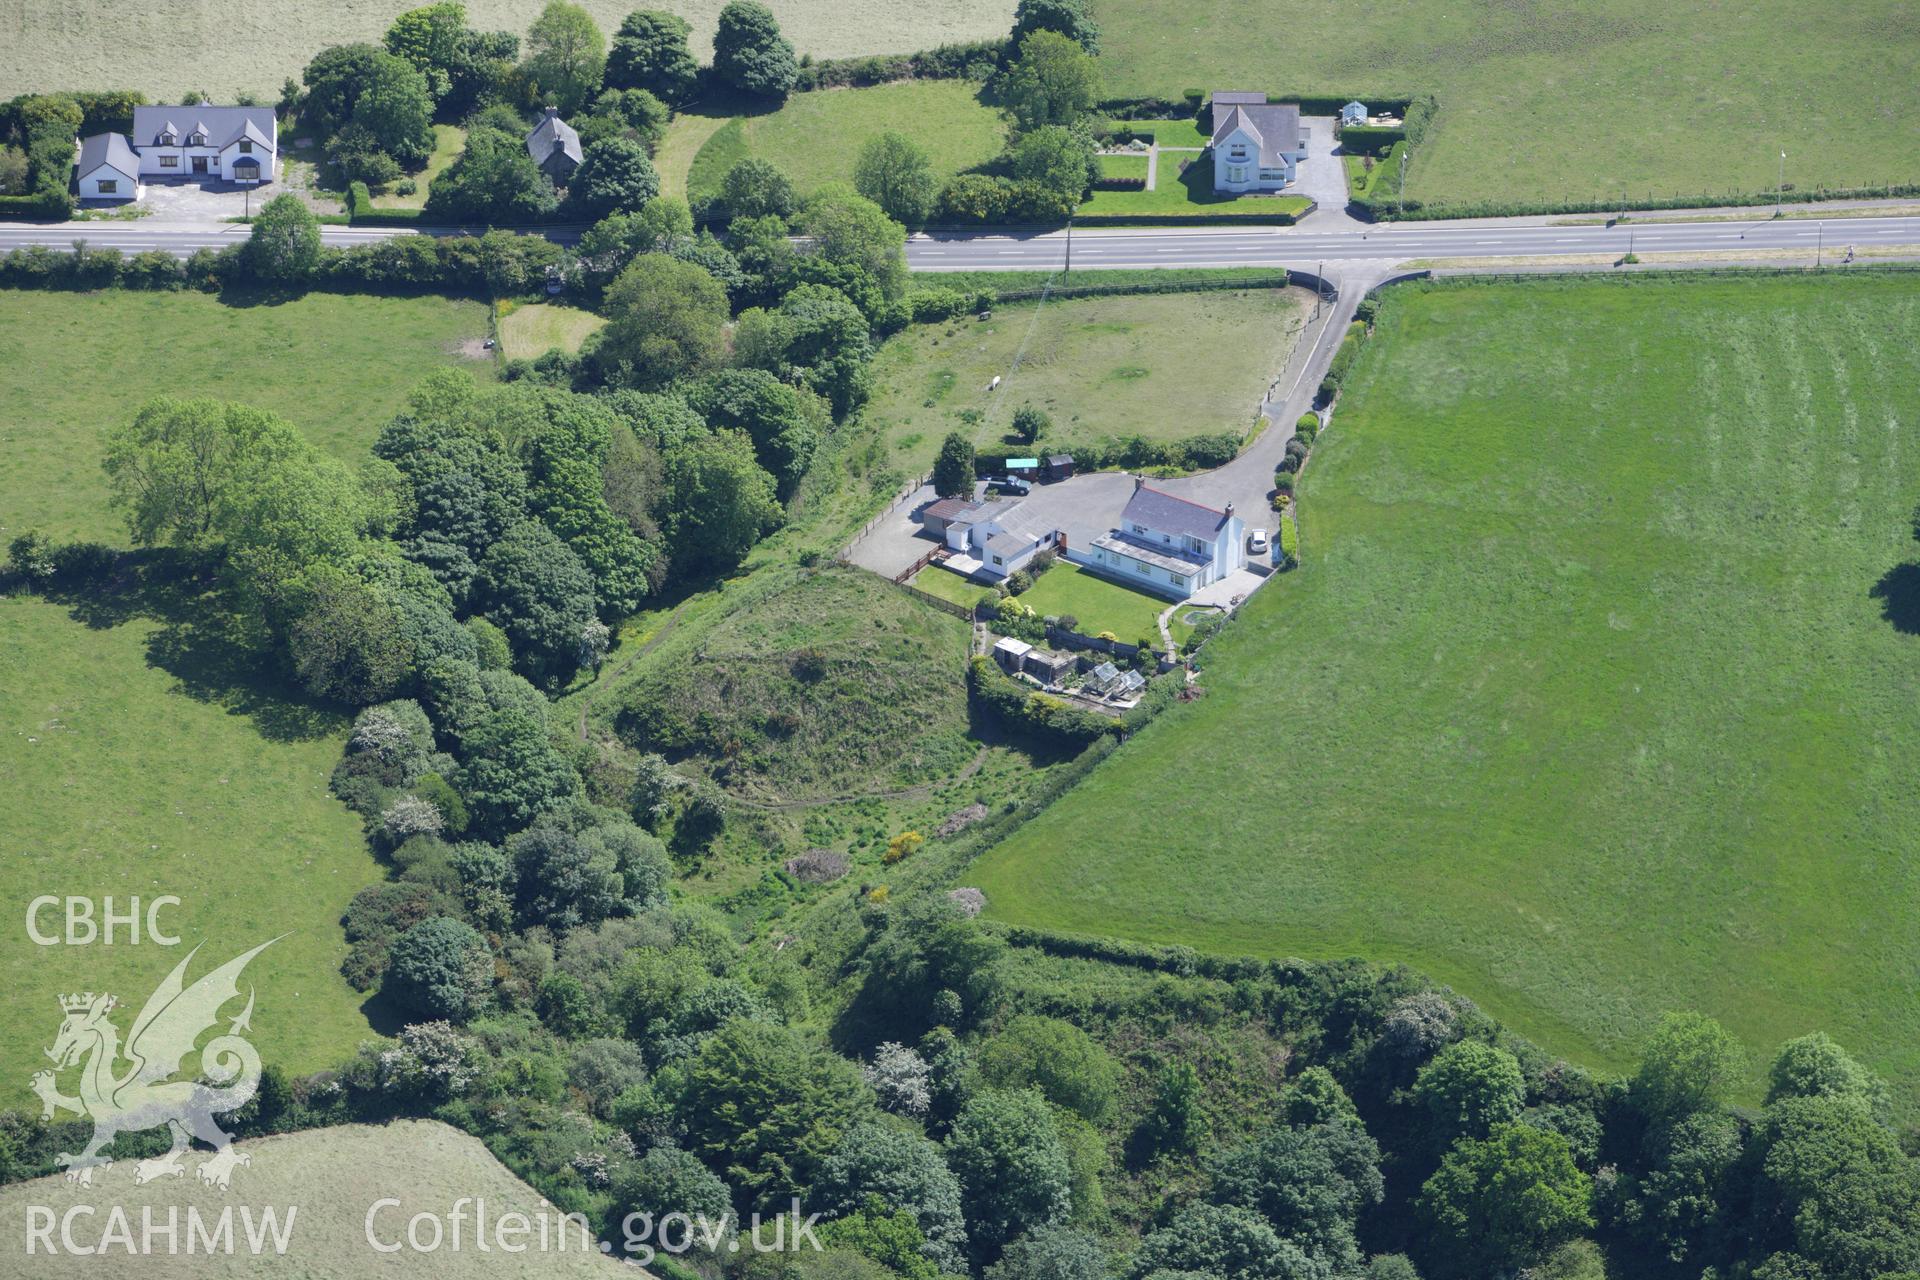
1167	545
1257	145
197	144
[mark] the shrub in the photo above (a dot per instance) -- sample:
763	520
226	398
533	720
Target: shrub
902	847
1283	481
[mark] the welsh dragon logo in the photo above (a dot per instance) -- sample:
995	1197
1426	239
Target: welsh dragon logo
143	1094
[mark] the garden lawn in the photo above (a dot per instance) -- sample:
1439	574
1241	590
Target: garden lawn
1099	603
816	137
1128	166
1552	102
949	586
137	761
1180	194
334	365
1594	694
533	329
1168	133
1100	367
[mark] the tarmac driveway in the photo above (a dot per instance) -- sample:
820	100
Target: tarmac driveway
1322	177
188	200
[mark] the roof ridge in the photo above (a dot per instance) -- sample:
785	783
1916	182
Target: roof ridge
1177	498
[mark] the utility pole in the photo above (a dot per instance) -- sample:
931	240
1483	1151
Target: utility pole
1819	241
1400	201
1780	189
1068	270
1319	288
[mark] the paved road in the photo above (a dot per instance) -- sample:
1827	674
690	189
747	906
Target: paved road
1300	246
1303	246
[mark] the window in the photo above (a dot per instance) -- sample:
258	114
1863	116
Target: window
246	147
108	186
169	162
1179	582
197	140
998	560
166	139
1146	570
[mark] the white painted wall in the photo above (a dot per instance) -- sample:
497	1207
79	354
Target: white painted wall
126	186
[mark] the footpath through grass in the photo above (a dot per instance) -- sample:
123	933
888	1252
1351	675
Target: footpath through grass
1550	102
73	364
140	759
1594	696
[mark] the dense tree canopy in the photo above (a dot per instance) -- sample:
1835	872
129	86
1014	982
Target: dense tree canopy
440	968
533	587
893	171
665	319
767	1105
284	245
650	52
723	502
749	52
615	176
1502	1202
1468	1089
566	54
1067	17
1013	1168
493	181
1052	81
850	229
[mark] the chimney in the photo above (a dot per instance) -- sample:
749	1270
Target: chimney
1229	508
553	113
1139	483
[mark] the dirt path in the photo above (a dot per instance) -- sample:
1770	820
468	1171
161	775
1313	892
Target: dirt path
666	628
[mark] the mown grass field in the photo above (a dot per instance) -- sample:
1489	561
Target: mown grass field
1114	366
449	140
64	44
816	137
138	758
331	1178
73	364
533	329
1556	101
1594	695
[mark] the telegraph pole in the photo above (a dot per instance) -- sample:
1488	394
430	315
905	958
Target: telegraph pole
1068	269
1819	241
1780	189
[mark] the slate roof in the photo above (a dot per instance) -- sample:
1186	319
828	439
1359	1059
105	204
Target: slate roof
109	149
552	132
222	125
1008	545
947	509
1164	513
1275	125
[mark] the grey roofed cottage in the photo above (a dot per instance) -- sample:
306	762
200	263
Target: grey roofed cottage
1256	144
108	168
554	146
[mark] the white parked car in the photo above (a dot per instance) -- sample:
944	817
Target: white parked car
1256	542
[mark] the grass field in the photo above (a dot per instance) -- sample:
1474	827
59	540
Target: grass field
331	1178
1115	366
533	329
1640	95
815	138
1129	166
64	44
949	585
335	366
139	761
1593	697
